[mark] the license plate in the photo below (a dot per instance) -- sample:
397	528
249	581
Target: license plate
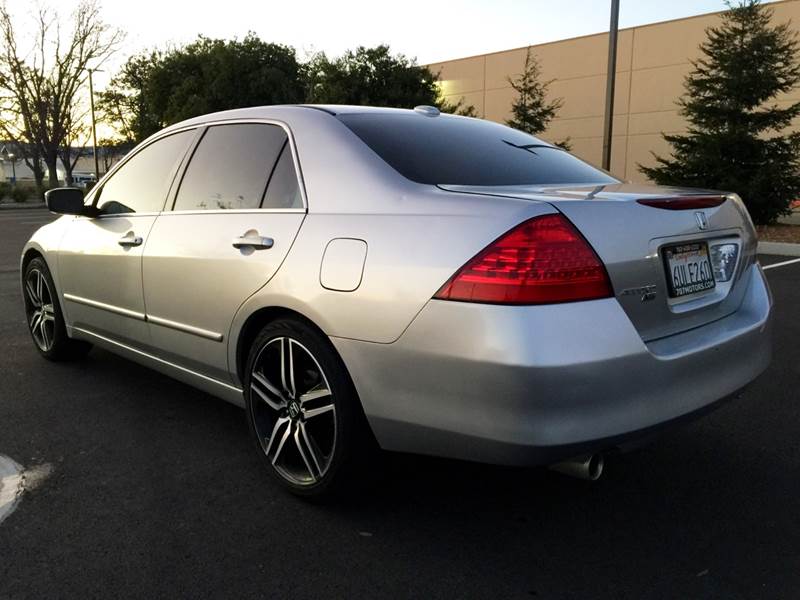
688	269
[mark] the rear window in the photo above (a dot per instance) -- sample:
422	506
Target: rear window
452	151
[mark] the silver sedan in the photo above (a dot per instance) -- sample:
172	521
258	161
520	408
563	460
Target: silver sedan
363	277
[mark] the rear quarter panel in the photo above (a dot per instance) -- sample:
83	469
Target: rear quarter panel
410	255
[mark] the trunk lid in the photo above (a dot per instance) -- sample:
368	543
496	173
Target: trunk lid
635	240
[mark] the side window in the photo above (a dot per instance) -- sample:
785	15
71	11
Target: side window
283	190
230	167
141	184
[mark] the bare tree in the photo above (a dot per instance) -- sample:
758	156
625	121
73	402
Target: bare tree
113	149
74	145
41	88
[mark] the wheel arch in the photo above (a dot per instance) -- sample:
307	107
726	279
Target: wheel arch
255	322
32	251
261	317
29	254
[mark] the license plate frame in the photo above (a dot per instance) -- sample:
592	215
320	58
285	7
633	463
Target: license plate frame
692	278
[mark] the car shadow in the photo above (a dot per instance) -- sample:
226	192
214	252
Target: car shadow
702	511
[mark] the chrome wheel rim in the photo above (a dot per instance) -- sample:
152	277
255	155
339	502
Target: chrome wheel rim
41	314
293	411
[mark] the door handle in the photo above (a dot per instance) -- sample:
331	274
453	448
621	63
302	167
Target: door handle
256	242
129	240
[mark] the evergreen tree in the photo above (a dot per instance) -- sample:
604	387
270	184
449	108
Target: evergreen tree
531	112
736	137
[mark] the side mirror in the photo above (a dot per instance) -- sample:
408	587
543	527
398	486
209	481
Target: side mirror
66	201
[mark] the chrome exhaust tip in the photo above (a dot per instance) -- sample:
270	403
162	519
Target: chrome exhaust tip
589	467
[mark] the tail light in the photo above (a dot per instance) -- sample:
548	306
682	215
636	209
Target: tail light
541	261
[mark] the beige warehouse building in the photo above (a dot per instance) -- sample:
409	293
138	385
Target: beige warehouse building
652	62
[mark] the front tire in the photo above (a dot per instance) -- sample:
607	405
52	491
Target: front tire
303	411
44	317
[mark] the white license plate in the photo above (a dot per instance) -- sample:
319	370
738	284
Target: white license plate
688	269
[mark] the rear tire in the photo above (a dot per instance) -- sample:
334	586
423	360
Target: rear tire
303	411
44	317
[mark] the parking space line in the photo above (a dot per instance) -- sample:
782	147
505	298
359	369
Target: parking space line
781	264
10	486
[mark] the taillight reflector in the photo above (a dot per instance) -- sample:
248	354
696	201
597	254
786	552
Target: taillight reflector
683	202
541	261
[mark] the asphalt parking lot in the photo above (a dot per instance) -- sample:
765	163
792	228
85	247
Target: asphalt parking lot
145	487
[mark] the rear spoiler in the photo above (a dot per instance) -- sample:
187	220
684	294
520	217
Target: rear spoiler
683	202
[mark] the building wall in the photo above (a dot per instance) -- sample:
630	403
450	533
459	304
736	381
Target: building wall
652	62
85	165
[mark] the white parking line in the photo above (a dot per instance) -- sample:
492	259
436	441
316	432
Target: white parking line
781	264
14	480
10	486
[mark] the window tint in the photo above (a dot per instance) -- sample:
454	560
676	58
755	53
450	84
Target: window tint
230	167
141	184
449	150
283	190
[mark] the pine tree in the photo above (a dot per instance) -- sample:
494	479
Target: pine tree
531	112
736	138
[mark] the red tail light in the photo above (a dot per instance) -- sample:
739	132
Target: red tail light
541	261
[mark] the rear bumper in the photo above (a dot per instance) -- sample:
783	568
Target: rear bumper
537	384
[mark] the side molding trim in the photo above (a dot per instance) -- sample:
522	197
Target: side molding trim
203	333
107	307
132	314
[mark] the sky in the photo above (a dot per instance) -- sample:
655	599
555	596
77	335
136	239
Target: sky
429	31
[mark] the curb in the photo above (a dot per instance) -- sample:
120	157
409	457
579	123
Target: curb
779	248
21	205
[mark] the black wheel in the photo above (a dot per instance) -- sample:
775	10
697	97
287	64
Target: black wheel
303	410
44	317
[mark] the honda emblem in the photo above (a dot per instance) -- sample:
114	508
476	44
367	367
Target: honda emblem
702	222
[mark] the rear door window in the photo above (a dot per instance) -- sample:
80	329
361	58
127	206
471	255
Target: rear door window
284	189
230	167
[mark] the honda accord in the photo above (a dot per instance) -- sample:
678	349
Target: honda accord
422	282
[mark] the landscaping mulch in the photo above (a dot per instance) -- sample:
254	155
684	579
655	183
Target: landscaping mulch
779	233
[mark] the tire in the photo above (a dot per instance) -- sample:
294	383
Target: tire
303	411
44	317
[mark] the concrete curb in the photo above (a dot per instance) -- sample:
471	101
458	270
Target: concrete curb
779	248
21	205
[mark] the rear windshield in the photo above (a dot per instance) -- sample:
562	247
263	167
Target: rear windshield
446	150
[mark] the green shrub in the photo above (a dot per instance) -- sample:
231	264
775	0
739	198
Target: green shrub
19	194
5	190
